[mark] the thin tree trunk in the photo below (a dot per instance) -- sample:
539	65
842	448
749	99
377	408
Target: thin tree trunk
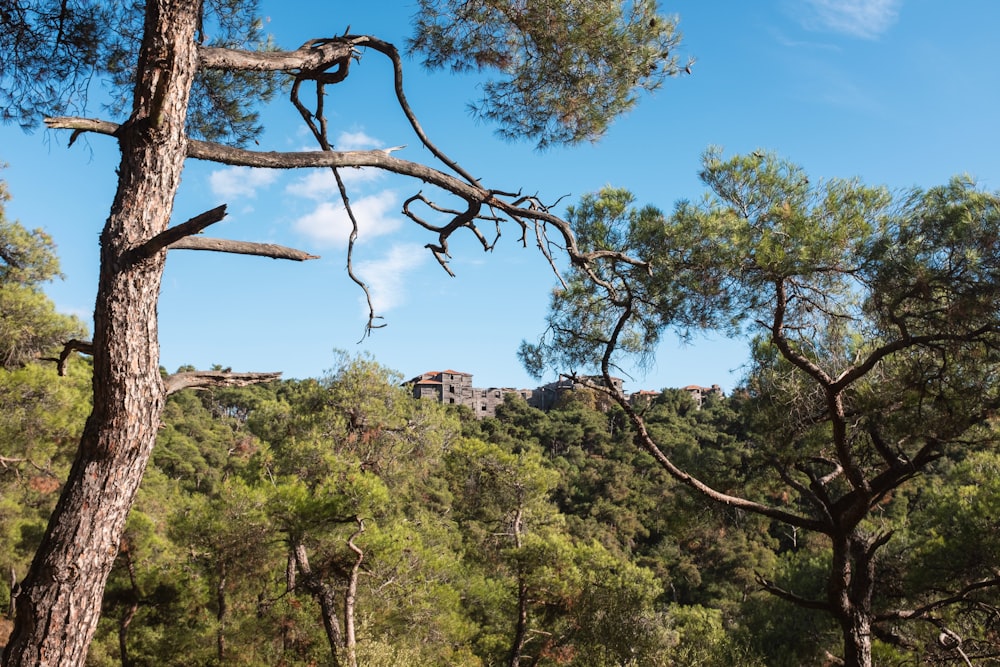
57	614
521	629
220	597
521	626
129	614
350	639
326	598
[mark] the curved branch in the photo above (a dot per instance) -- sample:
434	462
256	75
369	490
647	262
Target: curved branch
238	157
320	134
922	612
70	346
315	55
390	52
646	441
202	379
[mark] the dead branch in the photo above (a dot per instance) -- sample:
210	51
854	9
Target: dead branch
203	379
959	596
174	234
788	596
317	55
70	346
241	248
321	135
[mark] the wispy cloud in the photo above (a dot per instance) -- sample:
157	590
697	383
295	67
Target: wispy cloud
234	182
320	184
330	225
866	19
356	141
386	277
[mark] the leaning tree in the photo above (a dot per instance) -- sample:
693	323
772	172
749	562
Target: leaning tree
876	332
186	77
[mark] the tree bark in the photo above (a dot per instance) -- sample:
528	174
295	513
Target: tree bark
521	626
325	596
57	614
350	597
221	613
851	587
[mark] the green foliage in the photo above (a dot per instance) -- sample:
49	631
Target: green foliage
566	69
52	50
29	323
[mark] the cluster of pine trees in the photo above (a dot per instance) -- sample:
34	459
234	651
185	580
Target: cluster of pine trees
341	520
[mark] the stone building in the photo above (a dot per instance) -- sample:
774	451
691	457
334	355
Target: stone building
699	394
455	388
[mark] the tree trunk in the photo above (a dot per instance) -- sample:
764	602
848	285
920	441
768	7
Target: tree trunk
350	638
521	627
852	584
57	614
220	598
325	596
857	632
129	614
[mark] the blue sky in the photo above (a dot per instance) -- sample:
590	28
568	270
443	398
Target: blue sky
901	93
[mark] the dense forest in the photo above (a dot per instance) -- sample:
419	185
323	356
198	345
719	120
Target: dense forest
839	507
339	520
285	523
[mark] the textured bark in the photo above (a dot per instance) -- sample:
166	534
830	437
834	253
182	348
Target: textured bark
325	596
58	612
521	626
350	598
851	587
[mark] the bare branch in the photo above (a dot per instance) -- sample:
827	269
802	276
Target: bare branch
316	55
174	234
241	248
924	611
645	440
70	346
788	596
202	379
321	135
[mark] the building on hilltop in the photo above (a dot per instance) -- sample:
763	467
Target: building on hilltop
455	388
699	394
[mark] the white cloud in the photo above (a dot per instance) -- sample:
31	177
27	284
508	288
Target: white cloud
356	141
861	18
320	184
386	277
330	225
233	182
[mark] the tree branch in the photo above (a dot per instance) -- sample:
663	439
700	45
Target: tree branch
202	379
920	612
241	248
316	55
788	596
174	234
84	346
